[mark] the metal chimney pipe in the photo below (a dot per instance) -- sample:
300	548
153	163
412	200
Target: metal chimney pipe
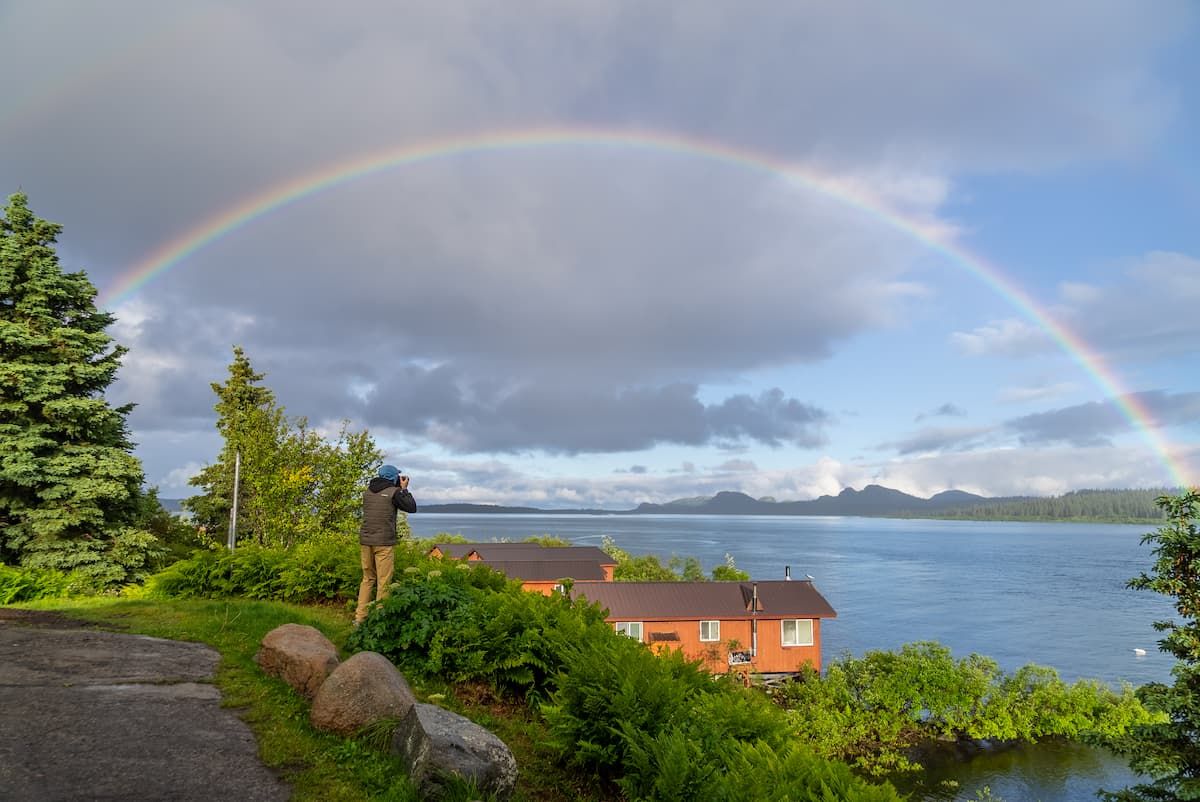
754	621
787	572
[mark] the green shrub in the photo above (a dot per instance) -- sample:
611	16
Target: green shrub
422	603
515	639
675	767
99	564
257	572
203	575
611	684
684	761
756	771
31	584
323	569
250	572
871	711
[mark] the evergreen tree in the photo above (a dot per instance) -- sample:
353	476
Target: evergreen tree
69	484
1169	751
248	420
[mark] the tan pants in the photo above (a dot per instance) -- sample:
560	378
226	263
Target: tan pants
377	566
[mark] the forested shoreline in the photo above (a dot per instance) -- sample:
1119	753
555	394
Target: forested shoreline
1136	505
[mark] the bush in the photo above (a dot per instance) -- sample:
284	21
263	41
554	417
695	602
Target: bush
100	564
758	771
611	685
249	572
31	584
421	605
662	728
871	711
686	759
323	569
516	640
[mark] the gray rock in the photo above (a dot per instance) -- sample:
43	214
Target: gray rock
299	655
86	714
436	744
363	690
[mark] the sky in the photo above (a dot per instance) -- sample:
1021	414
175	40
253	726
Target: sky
605	252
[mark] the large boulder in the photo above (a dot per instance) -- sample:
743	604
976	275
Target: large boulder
364	689
299	655
436	744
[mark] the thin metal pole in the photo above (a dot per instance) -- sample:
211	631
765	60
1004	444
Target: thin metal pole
237	475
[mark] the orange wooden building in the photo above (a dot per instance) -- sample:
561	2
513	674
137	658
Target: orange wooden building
766	628
541	569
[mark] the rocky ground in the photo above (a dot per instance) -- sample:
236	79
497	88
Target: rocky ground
96	715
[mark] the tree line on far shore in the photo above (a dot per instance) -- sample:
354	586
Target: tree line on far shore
1133	505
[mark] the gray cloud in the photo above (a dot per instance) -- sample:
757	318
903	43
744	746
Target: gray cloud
480	416
1096	422
1146	313
1088	425
770	419
947	410
204	103
935	439
1038	392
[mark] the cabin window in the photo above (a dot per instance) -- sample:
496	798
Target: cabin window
797	632
710	631
632	629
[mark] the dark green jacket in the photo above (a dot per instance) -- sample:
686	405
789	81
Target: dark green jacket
382	500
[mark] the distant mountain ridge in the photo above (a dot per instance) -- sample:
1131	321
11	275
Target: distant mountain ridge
872	501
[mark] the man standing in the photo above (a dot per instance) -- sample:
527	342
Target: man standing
385	495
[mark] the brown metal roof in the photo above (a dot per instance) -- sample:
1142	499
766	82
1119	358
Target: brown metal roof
526	552
546	570
659	601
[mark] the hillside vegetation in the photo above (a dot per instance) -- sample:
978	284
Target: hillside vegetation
1132	506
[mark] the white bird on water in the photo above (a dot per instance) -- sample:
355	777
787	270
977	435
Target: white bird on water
1140	652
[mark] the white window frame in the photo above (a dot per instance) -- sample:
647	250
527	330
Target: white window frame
783	628
713	637
627	628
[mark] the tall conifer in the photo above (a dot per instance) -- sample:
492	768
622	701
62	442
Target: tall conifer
69	483
248	420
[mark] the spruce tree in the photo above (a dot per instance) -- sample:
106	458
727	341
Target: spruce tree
69	484
1168	752
248	420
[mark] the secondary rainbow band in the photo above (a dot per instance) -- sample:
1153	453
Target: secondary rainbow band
252	208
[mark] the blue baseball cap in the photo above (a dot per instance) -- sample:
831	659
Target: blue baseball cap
389	472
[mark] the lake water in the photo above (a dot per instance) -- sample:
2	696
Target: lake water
1046	593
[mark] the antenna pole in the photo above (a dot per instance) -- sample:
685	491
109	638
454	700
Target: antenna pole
237	475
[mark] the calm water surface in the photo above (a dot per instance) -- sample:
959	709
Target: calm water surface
1052	594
